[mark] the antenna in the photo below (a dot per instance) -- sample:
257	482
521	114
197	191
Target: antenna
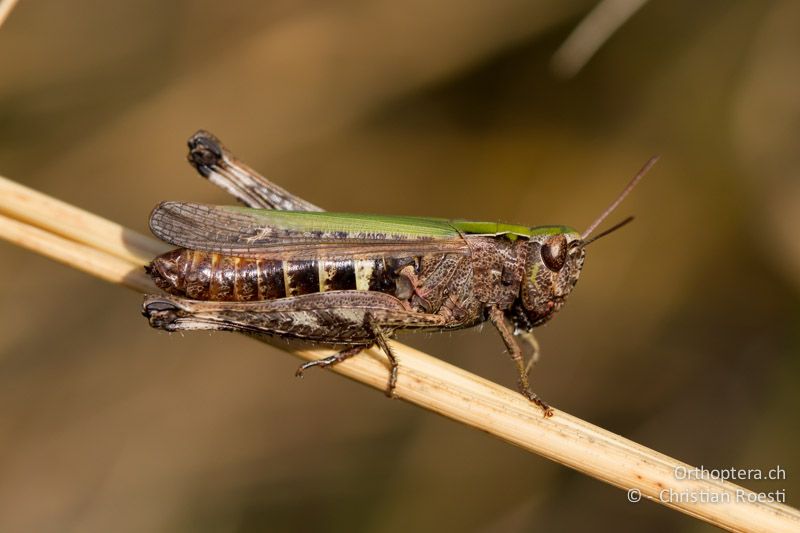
639	175
612	229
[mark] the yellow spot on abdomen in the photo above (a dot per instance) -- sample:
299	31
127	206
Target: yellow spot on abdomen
364	268
322	274
285	269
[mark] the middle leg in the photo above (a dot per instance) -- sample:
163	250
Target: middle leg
331	360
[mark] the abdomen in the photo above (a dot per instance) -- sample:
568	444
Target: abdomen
200	275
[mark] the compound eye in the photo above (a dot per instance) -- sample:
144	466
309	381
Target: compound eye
554	252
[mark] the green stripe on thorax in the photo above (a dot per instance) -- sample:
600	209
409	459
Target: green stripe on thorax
512	231
356	223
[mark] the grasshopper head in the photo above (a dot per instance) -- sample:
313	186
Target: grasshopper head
554	262
551	271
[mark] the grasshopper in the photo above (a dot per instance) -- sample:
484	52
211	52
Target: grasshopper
281	266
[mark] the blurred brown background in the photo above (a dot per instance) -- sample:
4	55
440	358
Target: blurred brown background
682	334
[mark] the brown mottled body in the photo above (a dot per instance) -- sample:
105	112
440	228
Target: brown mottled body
202	275
344	287
283	268
442	284
460	288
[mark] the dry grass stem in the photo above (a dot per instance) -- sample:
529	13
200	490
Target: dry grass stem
594	30
116	254
6	6
60	218
76	255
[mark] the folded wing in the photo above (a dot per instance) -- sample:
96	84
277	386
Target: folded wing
247	232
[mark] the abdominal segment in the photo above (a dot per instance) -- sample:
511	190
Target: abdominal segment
200	275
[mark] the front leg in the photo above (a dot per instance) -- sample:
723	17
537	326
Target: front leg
213	161
530	339
498	319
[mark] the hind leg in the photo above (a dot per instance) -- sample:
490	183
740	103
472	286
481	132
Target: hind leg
213	161
342	317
